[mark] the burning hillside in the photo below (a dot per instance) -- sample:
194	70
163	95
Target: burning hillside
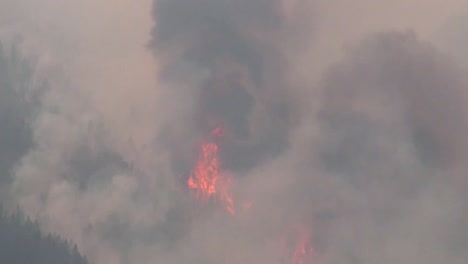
210	184
235	49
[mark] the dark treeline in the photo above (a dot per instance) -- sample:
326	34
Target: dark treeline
21	241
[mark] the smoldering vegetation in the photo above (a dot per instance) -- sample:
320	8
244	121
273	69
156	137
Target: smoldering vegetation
376	170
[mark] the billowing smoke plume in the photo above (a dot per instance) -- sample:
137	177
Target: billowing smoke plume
364	148
394	125
16	112
237	50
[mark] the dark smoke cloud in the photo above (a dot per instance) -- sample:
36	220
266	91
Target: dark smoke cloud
394	126
424	89
238	44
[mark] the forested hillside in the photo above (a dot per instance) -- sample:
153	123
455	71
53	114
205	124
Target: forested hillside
22	242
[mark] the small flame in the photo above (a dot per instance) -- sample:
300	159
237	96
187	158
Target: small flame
302	251
206	178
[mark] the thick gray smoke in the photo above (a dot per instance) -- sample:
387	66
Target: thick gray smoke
363	145
237	50
394	125
15	112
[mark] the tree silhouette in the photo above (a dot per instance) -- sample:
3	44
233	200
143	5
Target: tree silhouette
21	241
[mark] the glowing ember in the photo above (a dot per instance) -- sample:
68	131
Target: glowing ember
206	178
302	251
247	205
217	131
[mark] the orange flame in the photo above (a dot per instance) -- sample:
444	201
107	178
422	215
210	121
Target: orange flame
208	182
206	178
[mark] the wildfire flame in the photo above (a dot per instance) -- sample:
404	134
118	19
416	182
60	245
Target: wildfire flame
302	251
209	183
207	180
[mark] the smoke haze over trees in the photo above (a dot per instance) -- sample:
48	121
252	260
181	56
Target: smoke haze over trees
17	106
21	241
350	120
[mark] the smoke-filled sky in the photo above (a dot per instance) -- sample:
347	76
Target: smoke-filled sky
348	118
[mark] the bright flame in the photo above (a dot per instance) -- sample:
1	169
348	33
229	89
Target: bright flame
206	178
208	183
